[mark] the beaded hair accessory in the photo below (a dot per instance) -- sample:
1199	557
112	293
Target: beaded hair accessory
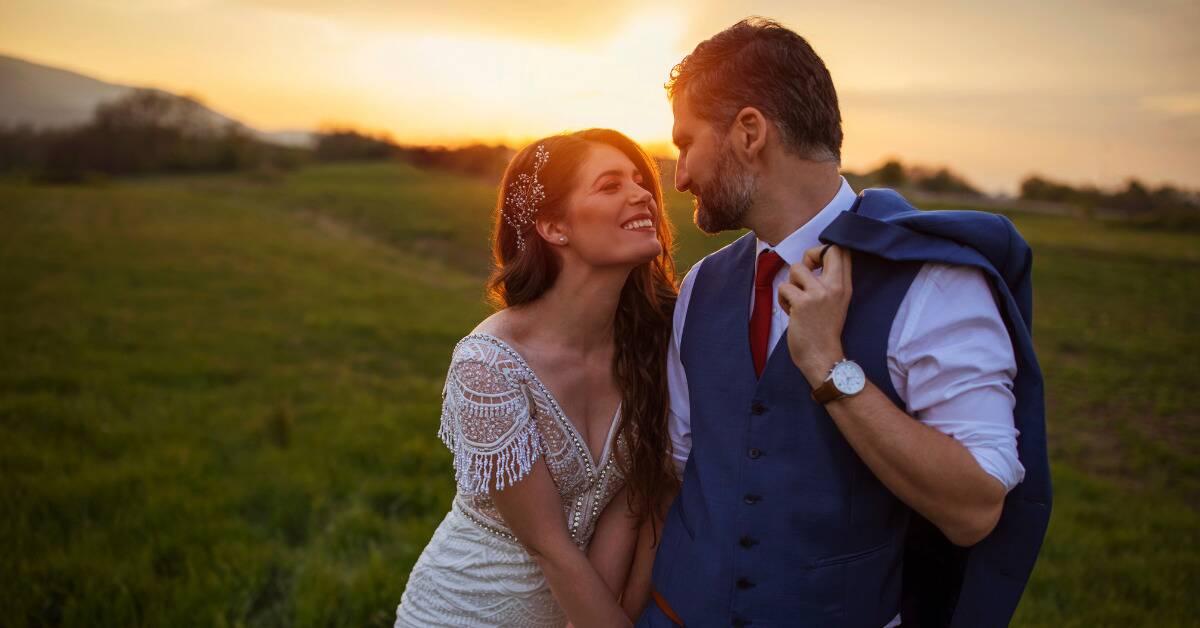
524	195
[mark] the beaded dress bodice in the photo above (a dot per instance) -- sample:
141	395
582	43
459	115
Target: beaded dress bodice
498	419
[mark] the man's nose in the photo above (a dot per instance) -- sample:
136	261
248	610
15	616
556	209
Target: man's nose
681	176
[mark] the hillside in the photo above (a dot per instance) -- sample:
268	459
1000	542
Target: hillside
43	96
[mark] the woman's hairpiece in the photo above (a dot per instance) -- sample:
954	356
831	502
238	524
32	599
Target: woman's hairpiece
524	195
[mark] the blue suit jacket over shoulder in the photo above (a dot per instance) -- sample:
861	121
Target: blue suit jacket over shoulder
980	585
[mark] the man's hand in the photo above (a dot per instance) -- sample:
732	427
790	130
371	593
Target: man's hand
816	308
932	473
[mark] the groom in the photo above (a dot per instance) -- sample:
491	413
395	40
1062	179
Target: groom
855	403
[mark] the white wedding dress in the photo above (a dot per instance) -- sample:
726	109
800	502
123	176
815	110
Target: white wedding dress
498	419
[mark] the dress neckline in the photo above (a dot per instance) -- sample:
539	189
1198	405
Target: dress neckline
605	450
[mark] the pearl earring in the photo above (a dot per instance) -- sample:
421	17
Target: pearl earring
562	239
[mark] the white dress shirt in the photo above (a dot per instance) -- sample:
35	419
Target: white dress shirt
949	355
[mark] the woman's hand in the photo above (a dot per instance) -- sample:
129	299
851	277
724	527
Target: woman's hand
532	511
613	542
636	596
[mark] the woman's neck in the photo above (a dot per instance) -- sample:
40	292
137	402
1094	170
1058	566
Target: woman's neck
579	310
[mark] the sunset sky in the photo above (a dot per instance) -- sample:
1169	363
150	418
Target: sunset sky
1082	91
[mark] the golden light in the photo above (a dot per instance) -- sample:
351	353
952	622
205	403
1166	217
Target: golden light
996	95
443	88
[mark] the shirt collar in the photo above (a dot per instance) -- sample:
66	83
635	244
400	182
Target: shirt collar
792	248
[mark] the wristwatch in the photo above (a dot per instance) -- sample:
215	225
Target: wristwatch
845	379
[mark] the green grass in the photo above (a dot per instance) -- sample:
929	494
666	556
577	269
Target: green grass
219	397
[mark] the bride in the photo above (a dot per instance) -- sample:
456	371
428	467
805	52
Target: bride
555	406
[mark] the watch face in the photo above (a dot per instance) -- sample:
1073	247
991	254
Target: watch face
849	378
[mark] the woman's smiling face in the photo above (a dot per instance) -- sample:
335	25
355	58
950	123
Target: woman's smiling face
611	218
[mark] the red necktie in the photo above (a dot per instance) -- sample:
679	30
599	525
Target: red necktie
769	264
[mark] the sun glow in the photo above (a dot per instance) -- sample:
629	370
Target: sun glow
1038	87
515	90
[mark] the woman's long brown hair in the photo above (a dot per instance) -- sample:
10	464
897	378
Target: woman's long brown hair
642	326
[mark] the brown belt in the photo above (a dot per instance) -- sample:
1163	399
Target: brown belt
664	607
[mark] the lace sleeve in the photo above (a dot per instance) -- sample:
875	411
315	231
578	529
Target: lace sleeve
486	423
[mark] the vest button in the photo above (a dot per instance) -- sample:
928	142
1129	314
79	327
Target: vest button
754	453
752	499
748	541
738	622
743	583
757	408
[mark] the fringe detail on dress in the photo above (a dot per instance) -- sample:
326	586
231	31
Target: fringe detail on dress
474	471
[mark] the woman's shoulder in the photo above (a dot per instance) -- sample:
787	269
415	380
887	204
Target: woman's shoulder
486	414
483	348
485	352
490	343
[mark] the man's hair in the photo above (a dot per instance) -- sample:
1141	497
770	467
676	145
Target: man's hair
760	63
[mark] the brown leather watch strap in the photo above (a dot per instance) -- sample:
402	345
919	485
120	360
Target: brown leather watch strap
826	392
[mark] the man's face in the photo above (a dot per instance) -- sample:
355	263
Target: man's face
723	188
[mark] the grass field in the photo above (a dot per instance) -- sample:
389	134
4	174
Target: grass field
219	397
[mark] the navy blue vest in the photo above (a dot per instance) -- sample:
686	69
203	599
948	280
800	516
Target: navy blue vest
778	522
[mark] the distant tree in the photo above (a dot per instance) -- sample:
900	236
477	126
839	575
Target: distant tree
337	143
481	160
1136	197
894	174
24	148
1035	188
891	174
153	131
941	181
145	109
476	159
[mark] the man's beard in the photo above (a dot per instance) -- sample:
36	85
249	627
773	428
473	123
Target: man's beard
721	205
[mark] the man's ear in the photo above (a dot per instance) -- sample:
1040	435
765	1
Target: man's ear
749	133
